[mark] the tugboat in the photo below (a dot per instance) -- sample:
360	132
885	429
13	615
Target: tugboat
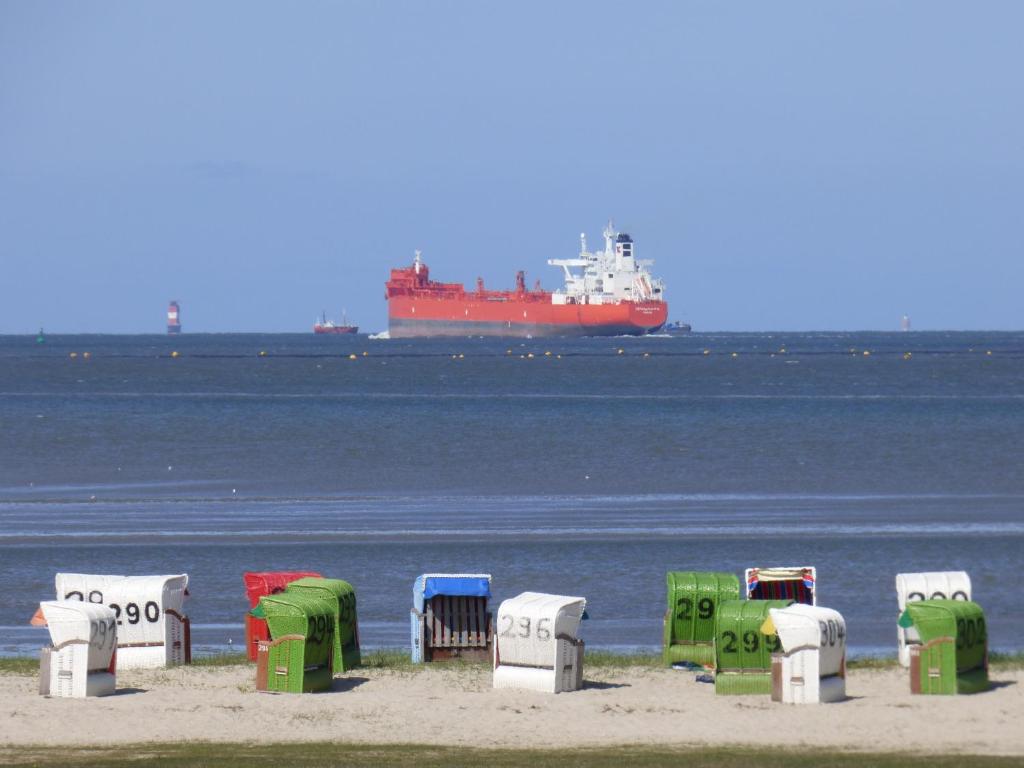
323	325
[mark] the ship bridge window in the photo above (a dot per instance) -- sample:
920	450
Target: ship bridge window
610	275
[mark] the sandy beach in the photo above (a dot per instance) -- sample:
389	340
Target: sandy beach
456	706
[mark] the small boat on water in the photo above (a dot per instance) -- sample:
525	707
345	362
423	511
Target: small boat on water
325	326
677	328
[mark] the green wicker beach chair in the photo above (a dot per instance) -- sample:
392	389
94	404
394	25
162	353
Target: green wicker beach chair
298	656
346	626
743	652
693	600
953	654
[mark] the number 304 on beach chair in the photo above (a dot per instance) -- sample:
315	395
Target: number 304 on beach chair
810	667
298	657
693	600
82	660
450	617
536	645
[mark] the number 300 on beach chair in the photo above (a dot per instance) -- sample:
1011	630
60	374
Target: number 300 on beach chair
535	643
933	585
450	617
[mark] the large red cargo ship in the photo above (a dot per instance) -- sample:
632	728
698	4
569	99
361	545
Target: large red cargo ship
614	295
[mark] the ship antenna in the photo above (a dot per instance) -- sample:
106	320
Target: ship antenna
583	243
416	261
609	233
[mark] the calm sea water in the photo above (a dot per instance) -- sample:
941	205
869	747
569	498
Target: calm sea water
584	472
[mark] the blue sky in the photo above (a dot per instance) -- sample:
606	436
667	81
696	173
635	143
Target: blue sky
789	166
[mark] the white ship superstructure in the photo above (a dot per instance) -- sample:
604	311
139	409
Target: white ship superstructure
609	276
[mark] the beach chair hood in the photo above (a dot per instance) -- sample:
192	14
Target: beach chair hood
529	623
451	584
260	583
812	627
72	621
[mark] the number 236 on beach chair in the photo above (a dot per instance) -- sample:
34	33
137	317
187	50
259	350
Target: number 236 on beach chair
450	616
535	643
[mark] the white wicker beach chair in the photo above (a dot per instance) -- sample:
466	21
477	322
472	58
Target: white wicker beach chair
933	585
152	628
79	662
536	645
811	667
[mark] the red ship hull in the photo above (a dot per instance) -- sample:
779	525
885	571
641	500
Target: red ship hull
527	314
335	329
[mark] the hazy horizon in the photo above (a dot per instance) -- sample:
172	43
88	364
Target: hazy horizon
789	168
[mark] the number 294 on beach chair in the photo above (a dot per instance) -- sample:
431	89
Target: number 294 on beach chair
298	657
450	617
535	643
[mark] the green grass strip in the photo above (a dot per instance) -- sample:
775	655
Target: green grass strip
597	660
301	755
